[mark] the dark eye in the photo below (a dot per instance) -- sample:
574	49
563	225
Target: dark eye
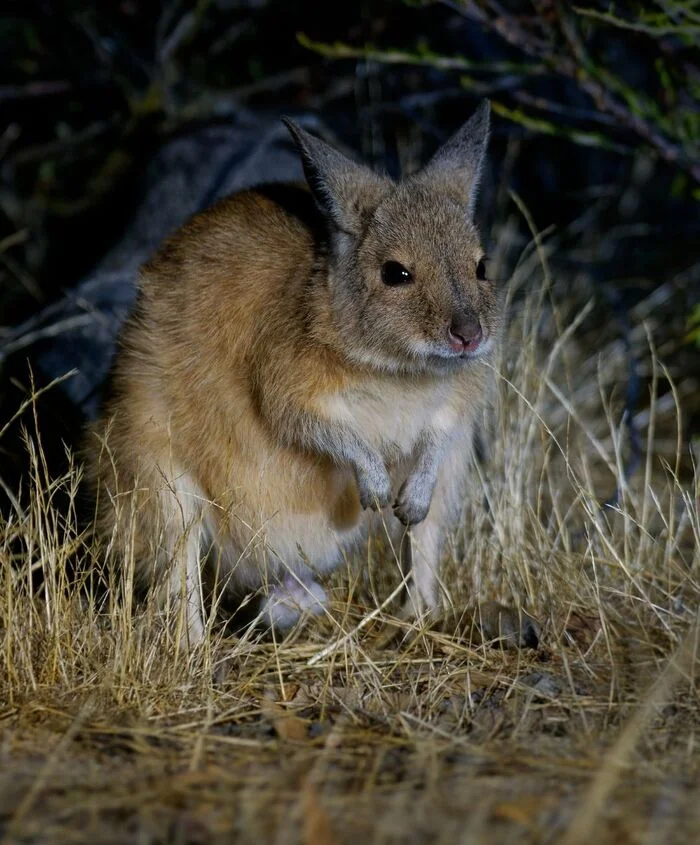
394	274
481	270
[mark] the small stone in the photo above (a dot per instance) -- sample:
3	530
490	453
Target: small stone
542	683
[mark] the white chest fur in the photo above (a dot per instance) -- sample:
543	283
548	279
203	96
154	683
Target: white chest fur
393	417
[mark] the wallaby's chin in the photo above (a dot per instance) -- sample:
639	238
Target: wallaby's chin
442	356
424	359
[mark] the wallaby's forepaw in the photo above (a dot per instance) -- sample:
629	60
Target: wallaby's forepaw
413	503
374	489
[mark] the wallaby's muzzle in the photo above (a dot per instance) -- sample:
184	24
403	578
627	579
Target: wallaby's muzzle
465	333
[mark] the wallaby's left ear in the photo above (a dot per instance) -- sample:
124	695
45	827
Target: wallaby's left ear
459	163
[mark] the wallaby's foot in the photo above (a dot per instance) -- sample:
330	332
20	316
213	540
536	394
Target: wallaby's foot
287	601
490	622
412	617
414	609
507	627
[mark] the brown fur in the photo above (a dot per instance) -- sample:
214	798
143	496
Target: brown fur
270	385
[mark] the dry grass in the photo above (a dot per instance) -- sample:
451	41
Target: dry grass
110	735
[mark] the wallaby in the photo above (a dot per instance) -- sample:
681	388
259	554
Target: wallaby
298	357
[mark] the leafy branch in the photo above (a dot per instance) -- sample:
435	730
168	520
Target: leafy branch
423	57
565	42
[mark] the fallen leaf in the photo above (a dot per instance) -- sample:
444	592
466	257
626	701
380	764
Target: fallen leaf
286	724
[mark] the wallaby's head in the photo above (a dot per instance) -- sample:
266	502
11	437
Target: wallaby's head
407	280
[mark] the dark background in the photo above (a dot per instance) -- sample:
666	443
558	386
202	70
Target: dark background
596	120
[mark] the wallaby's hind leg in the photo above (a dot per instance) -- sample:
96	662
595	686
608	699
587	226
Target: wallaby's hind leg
424	585
179	555
183	589
510	627
426	594
157	521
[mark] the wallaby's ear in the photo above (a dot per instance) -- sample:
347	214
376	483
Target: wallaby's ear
459	163
345	191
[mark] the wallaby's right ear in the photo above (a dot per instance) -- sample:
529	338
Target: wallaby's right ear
459	164
345	191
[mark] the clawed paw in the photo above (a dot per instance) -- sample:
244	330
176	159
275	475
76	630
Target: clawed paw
374	493
411	506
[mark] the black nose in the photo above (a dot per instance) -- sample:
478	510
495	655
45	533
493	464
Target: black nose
465	332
